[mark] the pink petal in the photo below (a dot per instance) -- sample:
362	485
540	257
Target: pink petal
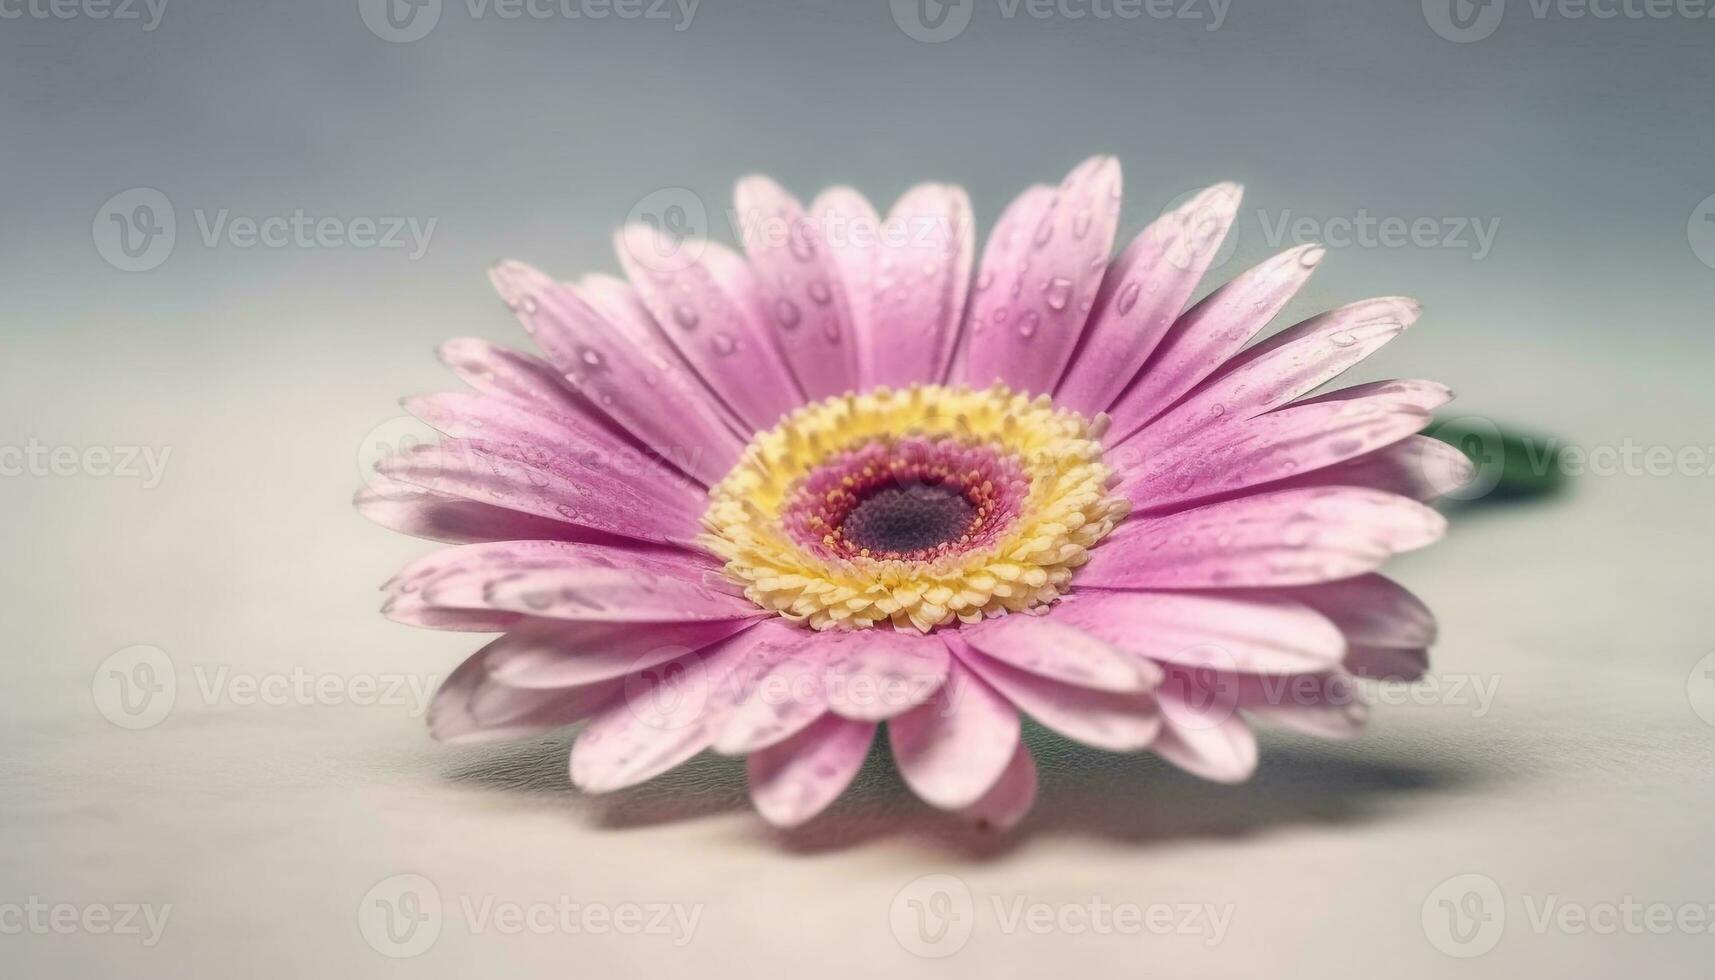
954	748
921	283
1218	747
1143	293
1287	537
1275	446
454	520
1104	719
1327	705
710	310
518	378
635	377
1418	467
1040	273
666	714
797	779
1388	663
574	581
1054	648
534	479
780	704
1283	367
1209	333
802	292
582	446
1240	632
547	653
850	230
1006	804
1370	610
506	713
875	674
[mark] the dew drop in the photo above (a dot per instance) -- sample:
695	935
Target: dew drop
820	293
1128	298
1028	324
1081	223
787	313
1058	291
1342	339
592	359
1217	410
985	280
1044	230
803	249
724	344
685	317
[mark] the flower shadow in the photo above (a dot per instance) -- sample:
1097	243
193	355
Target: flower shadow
1084	792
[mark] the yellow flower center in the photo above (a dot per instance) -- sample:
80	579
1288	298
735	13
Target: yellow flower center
914	507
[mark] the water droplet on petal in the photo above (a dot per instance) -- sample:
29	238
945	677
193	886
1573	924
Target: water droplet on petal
724	344
1081	223
1028	324
1044	230
685	317
1128	298
1342	339
820	293
787	313
803	249
1058	291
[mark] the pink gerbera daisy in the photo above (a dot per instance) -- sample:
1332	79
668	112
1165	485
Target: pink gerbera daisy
762	504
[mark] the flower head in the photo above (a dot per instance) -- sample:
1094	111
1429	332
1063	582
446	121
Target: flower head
762	504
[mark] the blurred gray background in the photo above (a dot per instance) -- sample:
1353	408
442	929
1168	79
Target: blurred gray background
1557	162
